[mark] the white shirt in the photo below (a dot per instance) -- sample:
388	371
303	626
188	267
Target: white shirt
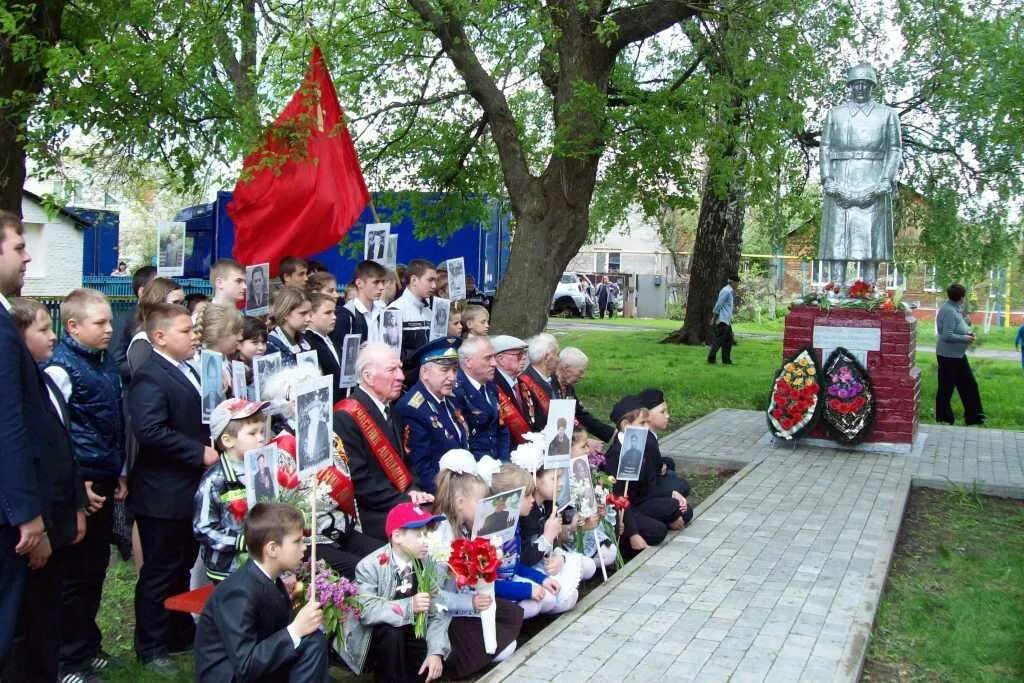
184	367
479	387
291	633
381	406
62	379
5	303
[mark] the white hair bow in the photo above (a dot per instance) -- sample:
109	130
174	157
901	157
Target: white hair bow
458	460
530	455
486	467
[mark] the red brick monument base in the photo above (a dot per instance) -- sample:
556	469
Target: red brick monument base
884	343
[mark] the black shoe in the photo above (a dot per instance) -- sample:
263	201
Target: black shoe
83	676
711	361
101	663
726	362
162	667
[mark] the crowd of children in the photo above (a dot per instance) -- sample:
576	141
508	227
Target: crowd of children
132	430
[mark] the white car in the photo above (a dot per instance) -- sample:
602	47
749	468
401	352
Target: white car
568	296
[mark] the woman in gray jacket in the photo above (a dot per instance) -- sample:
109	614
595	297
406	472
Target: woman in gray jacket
954	336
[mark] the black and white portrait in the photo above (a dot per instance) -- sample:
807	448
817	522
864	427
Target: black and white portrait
314	433
391	253
498	515
456	279
170	248
261	475
376	242
257	289
211	374
558	432
308	359
634	440
439	323
349	351
263	368
391	329
582	486
239	382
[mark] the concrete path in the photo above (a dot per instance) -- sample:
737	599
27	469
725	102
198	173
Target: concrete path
562	325
779	576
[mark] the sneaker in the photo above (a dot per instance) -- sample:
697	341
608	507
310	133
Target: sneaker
83	676
100	663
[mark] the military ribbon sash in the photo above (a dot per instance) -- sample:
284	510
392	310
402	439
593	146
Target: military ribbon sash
386	454
536	392
511	417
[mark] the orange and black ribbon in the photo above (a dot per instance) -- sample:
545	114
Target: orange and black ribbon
511	417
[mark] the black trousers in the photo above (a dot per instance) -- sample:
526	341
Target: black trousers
84	569
955	373
605	306
311	666
168	552
36	653
723	339
13	569
397	654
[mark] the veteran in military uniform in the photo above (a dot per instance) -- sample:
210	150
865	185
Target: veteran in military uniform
432	423
476	397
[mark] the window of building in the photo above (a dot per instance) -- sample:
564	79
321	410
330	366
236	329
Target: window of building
601	262
930	277
613	259
819	273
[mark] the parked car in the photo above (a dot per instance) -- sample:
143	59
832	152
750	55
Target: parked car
569	296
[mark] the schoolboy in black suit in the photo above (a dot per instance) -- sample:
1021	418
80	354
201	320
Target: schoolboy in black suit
174	450
317	335
246	631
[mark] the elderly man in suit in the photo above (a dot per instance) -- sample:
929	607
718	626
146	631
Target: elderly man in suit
22	530
515	407
476	397
537	380
371	433
572	366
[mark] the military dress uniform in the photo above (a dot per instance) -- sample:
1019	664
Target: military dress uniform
433	425
488	434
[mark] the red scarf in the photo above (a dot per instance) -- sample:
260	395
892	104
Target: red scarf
535	391
387	456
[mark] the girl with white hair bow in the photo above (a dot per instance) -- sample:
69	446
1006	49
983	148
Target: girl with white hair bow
462	483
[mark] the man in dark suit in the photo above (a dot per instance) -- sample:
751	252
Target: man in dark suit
536	381
22	530
164	407
372	436
246	631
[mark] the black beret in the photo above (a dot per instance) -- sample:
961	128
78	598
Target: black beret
626	404
651	398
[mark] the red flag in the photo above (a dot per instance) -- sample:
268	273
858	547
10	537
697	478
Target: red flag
301	190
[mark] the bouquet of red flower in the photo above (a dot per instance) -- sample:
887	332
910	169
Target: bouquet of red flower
475	562
861	290
795	399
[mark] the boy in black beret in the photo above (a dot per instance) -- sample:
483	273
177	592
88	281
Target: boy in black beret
657	418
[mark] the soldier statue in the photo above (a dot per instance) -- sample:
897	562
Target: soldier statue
860	155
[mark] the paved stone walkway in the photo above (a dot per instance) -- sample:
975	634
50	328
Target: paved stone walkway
779	576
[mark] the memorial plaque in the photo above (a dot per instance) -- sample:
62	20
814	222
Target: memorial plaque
857	340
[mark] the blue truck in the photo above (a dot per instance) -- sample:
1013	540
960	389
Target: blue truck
210	235
101	233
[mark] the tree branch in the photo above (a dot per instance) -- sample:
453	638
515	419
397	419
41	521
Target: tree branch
643	21
485	91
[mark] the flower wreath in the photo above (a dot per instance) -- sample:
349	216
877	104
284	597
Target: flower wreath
795	402
849	405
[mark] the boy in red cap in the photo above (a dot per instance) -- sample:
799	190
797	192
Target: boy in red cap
236	426
391	600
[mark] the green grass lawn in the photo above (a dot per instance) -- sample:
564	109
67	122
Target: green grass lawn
953	606
623	363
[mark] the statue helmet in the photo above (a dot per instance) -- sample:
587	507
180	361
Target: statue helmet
862	72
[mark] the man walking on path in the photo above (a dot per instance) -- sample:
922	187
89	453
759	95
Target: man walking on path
722	322
955	335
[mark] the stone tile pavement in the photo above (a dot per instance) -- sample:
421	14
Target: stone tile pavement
779	576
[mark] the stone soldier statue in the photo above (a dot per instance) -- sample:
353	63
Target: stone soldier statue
859	157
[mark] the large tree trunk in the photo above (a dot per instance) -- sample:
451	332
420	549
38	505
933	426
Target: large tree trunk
21	81
716	254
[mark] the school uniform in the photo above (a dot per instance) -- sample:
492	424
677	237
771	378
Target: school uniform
648	514
432	426
328	356
380	482
355	318
417	317
164	407
277	341
478	404
243	634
